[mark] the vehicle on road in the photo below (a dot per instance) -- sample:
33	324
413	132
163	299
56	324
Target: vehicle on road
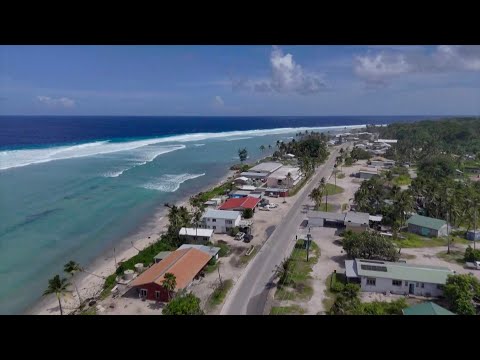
473	265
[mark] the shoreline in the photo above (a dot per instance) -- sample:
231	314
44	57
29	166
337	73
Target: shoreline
103	264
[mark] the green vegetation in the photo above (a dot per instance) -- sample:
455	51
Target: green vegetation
59	287
109	284
326	207
212	266
89	311
145	256
294	273
216	191
455	257
220	292
359	154
348	161
247	213
402	180
460	291
340	175
293	191
369	245
234	231
184	304
331	189
287	310
245	259
344	207
243	154
410	240
240	167
471	255
224	248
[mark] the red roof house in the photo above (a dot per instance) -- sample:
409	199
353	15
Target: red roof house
240	204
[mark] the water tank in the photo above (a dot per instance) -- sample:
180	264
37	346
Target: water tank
128	274
139	268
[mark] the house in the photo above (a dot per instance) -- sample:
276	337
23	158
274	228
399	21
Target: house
353	221
195	234
366	174
427	226
473	235
161	255
282	178
220	221
276	192
254	175
210	250
185	264
242	180
240	204
266	167
210	203
397	278
426	308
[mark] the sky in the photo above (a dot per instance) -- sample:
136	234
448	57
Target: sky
240	80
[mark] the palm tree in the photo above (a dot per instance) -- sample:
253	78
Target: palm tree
269	146
59	287
316	197
262	148
169	283
72	268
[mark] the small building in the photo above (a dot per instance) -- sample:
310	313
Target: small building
255	175
238	194
246	188
427	226
426	308
397	278
366	174
221	221
242	180
276	192
473	235
266	167
356	221
195	234
210	250
161	255
282	178
240	204
185	264
210	203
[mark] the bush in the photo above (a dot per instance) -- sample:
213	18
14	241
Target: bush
337	287
460	290
187	304
368	245
471	255
224	249
349	161
240	167
234	231
247	213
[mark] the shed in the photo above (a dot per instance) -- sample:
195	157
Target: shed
318	218
426	308
254	175
427	226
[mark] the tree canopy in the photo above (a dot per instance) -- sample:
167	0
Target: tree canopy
187	304
369	245
460	291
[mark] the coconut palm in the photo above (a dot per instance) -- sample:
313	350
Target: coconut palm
262	148
169	283
316	197
269	146
59	287
72	268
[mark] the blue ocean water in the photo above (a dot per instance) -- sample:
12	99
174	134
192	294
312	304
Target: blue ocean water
73	187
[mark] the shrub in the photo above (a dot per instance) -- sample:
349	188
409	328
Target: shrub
471	255
247	213
348	161
337	287
187	304
234	231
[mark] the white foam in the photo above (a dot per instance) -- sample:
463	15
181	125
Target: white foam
17	158
198	144
170	183
240	138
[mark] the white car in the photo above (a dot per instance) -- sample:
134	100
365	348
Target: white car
273	206
265	208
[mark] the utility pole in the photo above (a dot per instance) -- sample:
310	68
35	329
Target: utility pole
309	239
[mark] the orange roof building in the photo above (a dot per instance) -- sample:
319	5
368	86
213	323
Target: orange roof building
185	264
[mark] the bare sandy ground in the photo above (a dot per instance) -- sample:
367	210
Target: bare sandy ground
90	285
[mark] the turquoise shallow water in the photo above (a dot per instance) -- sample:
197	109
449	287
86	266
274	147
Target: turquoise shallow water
76	201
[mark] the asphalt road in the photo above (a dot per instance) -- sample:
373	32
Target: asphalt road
249	295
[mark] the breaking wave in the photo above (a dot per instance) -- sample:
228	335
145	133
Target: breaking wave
170	183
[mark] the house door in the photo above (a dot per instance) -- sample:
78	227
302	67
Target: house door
411	288
143	293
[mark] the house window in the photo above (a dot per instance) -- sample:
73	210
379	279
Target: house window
214	220
397	282
371	282
406	283
418	284
157	294
439	287
143	293
228	222
423	285
214	227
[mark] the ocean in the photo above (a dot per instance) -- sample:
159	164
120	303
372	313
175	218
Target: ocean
73	187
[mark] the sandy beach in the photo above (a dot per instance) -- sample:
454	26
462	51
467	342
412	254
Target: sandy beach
104	265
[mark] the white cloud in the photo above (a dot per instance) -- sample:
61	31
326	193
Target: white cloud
56	102
286	77
381	67
218	101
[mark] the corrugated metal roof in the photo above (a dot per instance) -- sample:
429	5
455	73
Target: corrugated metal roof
254	174
350	271
210	250
402	271
426	308
221	214
426	222
357	217
326	215
267	167
195	232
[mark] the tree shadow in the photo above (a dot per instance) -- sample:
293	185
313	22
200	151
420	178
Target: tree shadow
340	260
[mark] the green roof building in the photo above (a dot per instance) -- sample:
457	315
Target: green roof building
426	308
427	226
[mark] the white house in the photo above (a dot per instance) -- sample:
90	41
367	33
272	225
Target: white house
397	278
280	178
220	221
195	235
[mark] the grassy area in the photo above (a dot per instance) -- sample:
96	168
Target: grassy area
245	259
110	282
455	257
328	207
295	284
402	180
287	310
417	241
344	207
220	292
224	249
340	175
217	191
331	189
211	267
329	298
89	311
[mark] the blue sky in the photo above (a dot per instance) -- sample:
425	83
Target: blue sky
240	80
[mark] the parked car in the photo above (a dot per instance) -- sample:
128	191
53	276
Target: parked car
272	206
247	238
264	208
473	265
239	236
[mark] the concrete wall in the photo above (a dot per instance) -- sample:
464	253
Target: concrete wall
195	239
221	225
385	285
355	228
316	222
